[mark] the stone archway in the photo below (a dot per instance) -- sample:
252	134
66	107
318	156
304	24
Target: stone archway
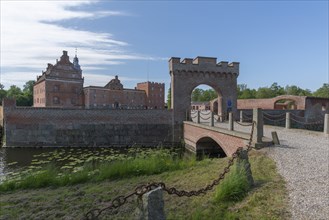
190	73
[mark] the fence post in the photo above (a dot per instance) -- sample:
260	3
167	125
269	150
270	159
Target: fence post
198	117
287	120
241	116
257	116
230	121
243	162
151	206
212	119
326	124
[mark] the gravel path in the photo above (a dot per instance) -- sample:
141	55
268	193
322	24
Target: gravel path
303	160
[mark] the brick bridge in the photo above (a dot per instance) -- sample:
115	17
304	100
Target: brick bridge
213	140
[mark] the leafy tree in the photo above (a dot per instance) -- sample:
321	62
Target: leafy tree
264	92
248	94
169	98
295	90
245	93
196	94
14	92
277	90
322	92
3	93
200	95
28	87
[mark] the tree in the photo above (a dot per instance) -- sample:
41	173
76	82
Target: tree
247	94
14	91
200	95
295	90
27	99
3	93
169	98
28	87
196	95
264	92
277	90
322	92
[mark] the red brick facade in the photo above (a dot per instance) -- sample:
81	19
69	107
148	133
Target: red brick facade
114	96
154	94
61	85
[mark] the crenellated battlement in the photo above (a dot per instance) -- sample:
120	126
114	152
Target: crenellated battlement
202	64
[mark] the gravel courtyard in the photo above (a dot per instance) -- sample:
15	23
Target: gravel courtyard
302	159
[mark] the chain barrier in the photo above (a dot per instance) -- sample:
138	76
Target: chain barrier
142	189
205	114
297	116
274	120
274	116
246	125
205	119
193	117
308	123
244	115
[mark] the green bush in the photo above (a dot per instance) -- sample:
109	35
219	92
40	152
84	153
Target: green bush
234	186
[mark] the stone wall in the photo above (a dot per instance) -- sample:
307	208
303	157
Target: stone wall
81	127
270	102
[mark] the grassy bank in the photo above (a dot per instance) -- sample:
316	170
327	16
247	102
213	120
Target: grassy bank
145	163
266	200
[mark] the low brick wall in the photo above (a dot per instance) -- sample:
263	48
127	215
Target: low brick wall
30	127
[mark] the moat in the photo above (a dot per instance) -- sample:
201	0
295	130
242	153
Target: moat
17	161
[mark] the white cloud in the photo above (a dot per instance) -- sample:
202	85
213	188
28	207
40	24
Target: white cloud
29	39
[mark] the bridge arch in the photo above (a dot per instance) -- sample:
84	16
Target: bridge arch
208	146
190	73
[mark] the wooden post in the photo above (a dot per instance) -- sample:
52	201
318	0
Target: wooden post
241	116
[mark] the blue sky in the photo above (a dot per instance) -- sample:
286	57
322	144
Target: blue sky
274	41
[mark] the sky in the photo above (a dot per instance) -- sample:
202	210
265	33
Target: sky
274	41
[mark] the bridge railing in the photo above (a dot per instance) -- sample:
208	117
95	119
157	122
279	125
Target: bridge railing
290	120
286	119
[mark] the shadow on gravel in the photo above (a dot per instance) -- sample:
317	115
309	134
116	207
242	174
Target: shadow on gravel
283	146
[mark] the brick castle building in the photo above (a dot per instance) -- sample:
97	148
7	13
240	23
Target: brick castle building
61	85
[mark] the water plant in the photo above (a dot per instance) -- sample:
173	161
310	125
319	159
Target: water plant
98	168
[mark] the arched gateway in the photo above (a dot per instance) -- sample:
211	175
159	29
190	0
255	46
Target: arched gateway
190	73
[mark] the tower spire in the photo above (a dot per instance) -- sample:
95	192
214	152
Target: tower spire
76	60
